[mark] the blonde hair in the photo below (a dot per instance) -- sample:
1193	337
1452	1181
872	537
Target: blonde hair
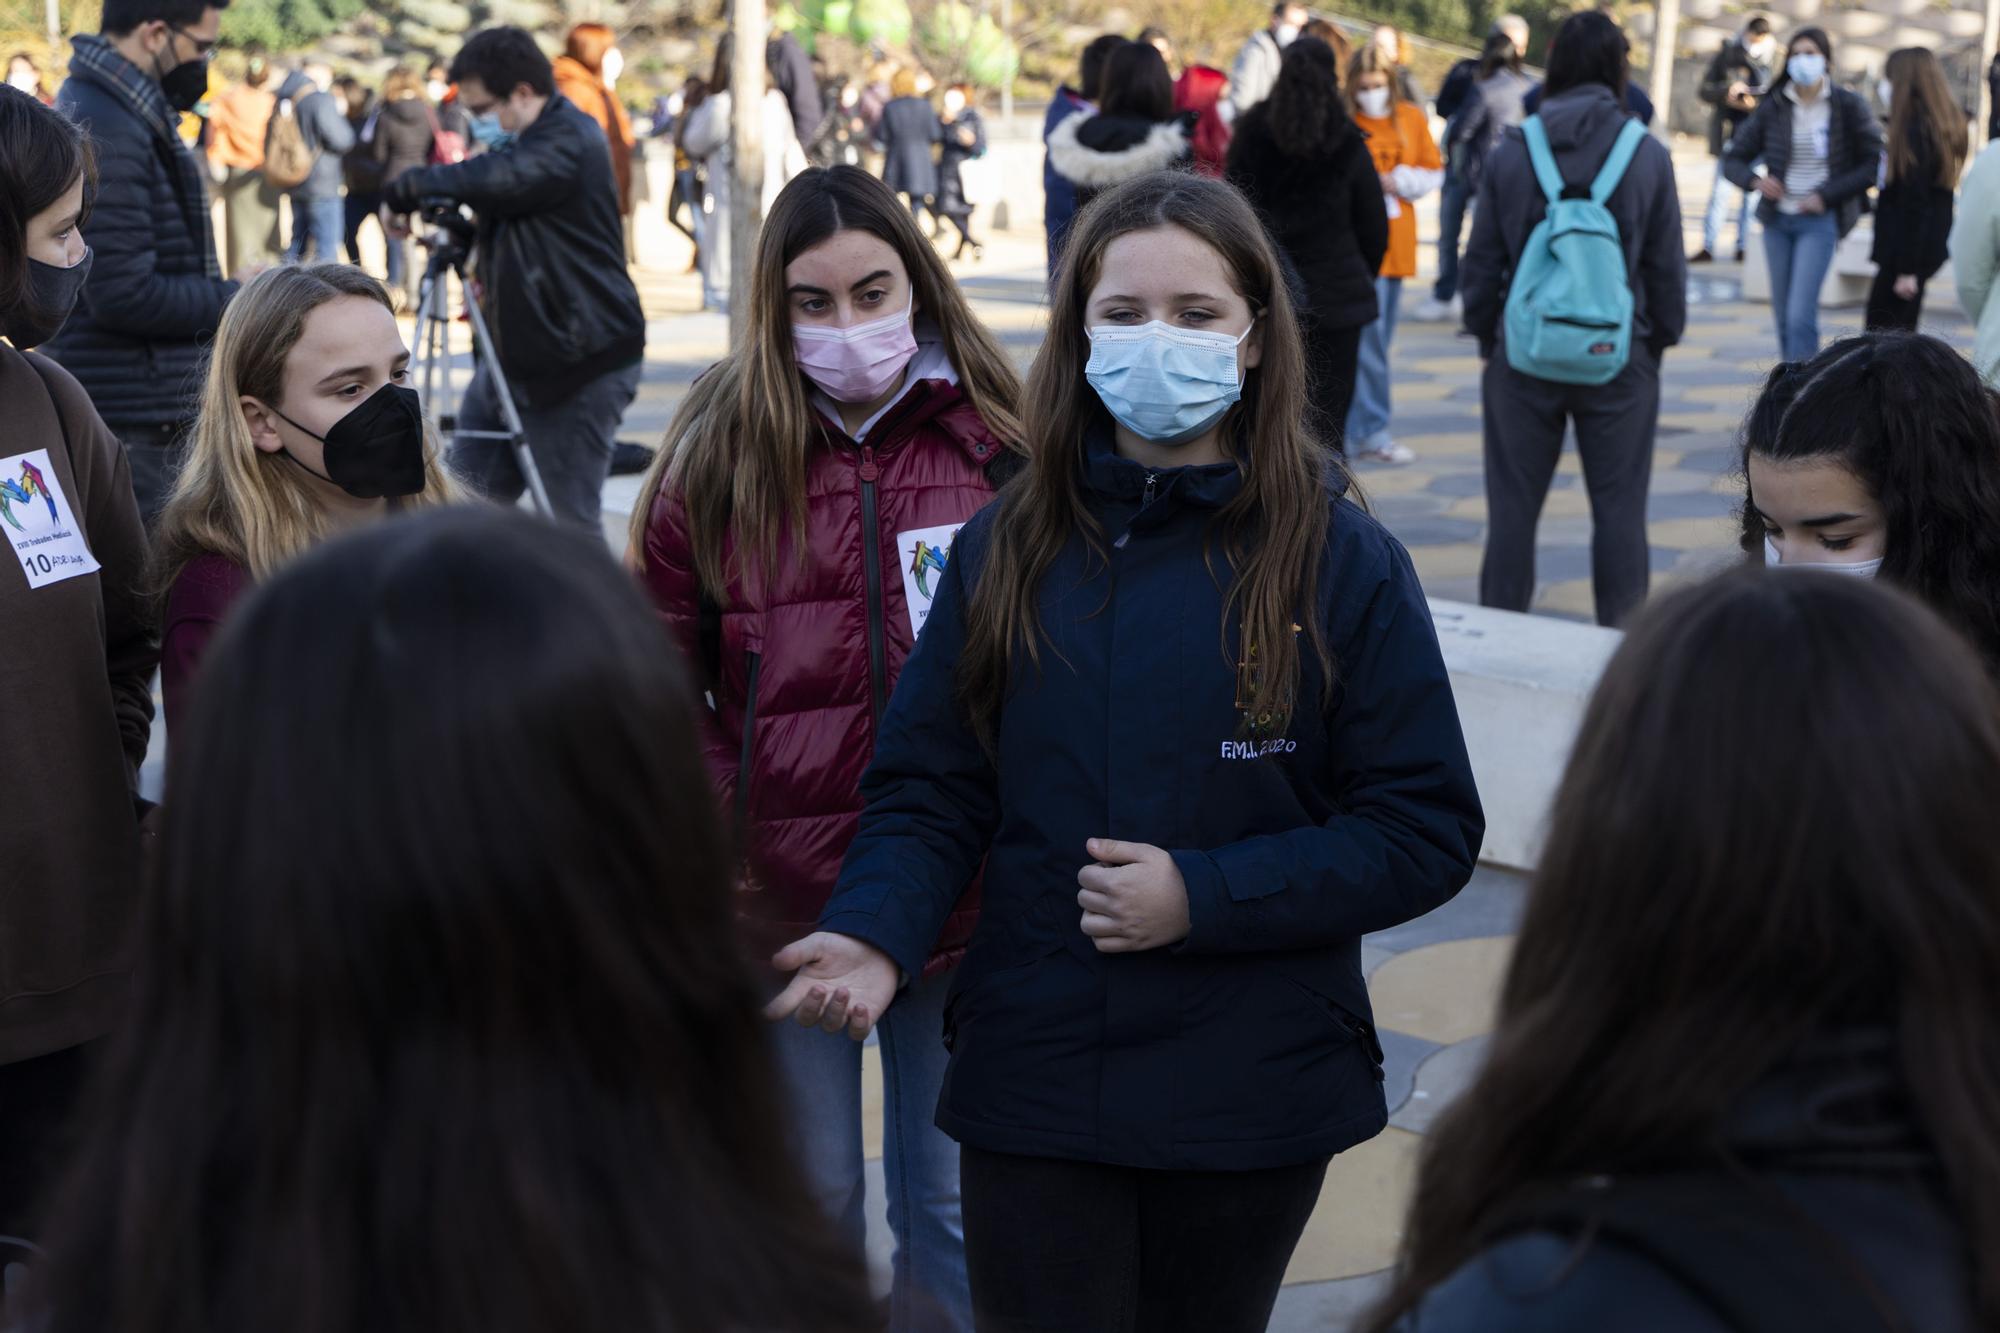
232	499
903	83
738	450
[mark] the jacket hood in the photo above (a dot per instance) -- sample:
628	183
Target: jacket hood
405	111
1199	88
1098	150
1583	117
296	85
1840	1101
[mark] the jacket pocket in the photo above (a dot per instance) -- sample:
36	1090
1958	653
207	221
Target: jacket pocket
746	758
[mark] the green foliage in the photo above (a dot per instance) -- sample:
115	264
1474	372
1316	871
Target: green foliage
886	22
955	43
285	25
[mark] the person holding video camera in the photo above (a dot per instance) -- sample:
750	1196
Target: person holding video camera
566	325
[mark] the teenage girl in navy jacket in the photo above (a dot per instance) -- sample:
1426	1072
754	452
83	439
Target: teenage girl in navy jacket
1185	701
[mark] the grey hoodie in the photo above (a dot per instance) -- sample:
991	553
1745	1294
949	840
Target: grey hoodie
1582	124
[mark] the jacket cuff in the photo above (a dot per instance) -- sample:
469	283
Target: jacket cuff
1208	899
873	930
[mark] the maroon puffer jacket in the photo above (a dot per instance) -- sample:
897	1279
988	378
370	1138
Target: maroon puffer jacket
808	656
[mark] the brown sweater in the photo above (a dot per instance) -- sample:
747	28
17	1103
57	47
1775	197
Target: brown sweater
76	710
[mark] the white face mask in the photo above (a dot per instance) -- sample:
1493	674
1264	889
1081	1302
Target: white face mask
612	66
1374	102
25	80
1761	49
1807	68
436	89
1858	569
1165	384
1886	91
1285	33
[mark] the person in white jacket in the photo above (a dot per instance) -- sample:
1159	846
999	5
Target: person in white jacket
708	140
1975	258
1256	67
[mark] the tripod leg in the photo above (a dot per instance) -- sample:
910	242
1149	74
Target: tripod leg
517	434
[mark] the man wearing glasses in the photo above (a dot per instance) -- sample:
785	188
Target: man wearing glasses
155	291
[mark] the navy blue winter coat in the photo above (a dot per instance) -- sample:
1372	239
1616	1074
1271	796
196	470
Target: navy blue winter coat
1249	1044
138	337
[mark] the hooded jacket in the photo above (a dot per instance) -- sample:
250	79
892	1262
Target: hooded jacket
1832	1131
802	663
403	136
1582	124
551	246
1326	212
1058	192
1250	1043
1093	150
1200	89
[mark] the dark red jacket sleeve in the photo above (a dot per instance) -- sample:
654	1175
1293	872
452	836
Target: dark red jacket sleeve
666	569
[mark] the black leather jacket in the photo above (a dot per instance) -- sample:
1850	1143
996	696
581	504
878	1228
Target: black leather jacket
551	252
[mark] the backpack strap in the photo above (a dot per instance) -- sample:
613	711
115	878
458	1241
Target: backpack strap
1542	158
1614	166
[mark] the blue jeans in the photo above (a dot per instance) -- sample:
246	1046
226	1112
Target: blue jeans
1368	416
321	220
1718	212
920	1164
1798	249
1452	200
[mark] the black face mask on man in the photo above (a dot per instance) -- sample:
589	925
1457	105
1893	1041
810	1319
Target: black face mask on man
375	450
52	293
187	82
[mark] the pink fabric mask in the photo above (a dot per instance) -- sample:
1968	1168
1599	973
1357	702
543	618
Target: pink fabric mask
860	363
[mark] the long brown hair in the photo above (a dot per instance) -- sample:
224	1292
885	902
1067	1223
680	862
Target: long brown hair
1272	536
737	450
1696	916
232	499
1923	105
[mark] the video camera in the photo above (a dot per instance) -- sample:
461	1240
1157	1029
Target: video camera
446	225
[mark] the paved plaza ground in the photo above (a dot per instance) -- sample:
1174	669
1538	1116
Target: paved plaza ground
1433	980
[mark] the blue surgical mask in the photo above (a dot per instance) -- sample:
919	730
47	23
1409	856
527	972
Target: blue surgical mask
487	133
1806	69
1165	385
1854	569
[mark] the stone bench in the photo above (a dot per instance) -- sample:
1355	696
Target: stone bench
1522	683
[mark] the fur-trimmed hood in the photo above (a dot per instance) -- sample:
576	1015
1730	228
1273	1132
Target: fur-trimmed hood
1095	150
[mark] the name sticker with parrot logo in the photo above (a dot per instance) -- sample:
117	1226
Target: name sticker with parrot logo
924	554
35	515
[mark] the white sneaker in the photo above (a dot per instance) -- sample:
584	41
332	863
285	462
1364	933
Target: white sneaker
1388	451
1432	310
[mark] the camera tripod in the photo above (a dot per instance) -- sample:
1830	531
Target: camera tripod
431	366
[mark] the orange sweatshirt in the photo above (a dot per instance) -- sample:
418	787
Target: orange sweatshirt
1402	139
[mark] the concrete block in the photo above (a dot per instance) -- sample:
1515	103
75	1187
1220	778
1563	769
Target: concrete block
1521	683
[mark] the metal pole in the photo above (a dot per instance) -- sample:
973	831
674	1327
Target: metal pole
55	22
1007	31
1666	36
746	183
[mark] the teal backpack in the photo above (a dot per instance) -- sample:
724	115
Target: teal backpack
1569	313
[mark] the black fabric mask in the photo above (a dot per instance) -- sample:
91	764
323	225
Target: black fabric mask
52	294
185	84
377	449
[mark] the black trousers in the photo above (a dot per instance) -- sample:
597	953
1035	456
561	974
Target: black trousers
1525	419
1331	355
38	1102
1886	310
1076	1247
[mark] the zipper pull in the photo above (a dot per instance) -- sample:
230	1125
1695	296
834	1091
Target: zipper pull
1152	484
869	472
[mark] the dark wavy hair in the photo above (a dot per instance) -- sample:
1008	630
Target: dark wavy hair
1760	435
439	1025
1308	115
1909	417
1694	922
